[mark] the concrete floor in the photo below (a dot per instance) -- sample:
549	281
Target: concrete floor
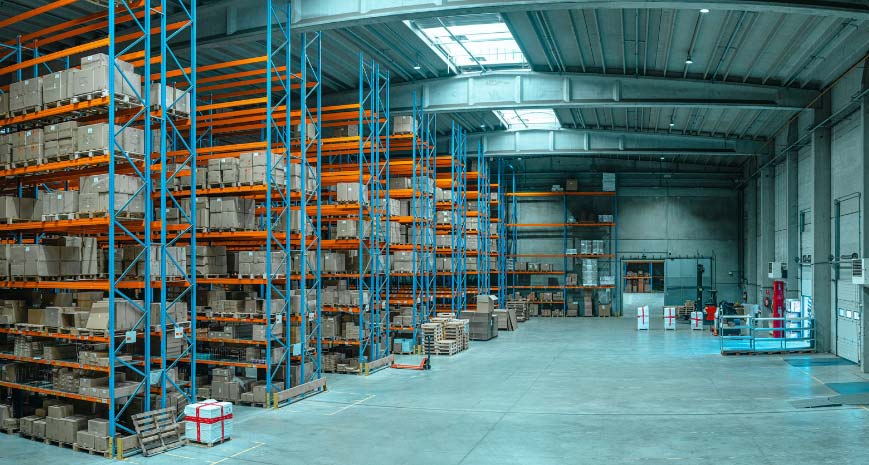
558	391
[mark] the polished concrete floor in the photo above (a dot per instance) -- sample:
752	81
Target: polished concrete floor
557	391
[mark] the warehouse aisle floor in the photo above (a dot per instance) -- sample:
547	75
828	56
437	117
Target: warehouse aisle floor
558	391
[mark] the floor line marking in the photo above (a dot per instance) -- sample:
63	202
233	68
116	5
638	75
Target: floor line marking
258	444
180	456
370	396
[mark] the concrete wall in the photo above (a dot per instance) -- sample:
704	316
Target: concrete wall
689	226
801	210
655	222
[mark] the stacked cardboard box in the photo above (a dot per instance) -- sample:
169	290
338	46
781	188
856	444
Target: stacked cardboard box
126	315
15	208
349	229
95	437
25	95
351	192
402	262
177	100
27	147
254	263
251	167
95	138
93	77
94	194
223	172
60	139
59	203
34	260
231	213
211	260
4	104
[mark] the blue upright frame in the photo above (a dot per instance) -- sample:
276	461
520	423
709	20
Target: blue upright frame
459	214
502	236
170	118
119	157
310	105
373	282
277	210
483	224
423	214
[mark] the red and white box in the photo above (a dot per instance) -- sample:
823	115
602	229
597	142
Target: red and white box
208	422
670	318
643	317
697	321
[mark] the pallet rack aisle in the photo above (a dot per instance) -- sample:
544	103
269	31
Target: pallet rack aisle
87	155
355	180
412	282
559	298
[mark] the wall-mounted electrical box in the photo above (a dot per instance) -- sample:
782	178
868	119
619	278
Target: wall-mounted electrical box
776	270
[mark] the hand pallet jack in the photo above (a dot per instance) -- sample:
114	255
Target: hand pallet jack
424	364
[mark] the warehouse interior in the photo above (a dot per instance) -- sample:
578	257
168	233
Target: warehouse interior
460	231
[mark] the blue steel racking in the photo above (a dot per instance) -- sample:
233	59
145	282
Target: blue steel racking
424	210
310	89
170	121
421	220
458	214
484	236
368	165
502	236
268	118
120	225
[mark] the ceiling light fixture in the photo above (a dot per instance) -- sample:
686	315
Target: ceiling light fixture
416	65
672	124
662	158
704	10
688	60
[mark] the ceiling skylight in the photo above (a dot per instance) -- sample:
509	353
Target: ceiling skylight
535	118
472	41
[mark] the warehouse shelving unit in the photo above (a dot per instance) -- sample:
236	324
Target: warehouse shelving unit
128	350
568	231
453	297
259	111
502	251
363	160
483	185
416	288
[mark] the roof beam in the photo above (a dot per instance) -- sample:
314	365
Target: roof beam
244	19
329	14
579	142
520	89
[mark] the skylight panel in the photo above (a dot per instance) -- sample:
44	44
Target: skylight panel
536	118
474	41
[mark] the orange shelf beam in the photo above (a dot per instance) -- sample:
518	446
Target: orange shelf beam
53	392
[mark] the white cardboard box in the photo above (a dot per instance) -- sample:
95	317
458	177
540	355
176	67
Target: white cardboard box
670	318
643	317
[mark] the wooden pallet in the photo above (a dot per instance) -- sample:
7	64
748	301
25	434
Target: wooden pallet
158	431
79	448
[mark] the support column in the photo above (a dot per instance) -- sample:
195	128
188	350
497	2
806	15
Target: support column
822	301
792	287
766	228
750	243
864	124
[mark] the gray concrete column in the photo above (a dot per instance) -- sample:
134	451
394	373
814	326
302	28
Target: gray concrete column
750	242
825	314
766	227
792	286
864	122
